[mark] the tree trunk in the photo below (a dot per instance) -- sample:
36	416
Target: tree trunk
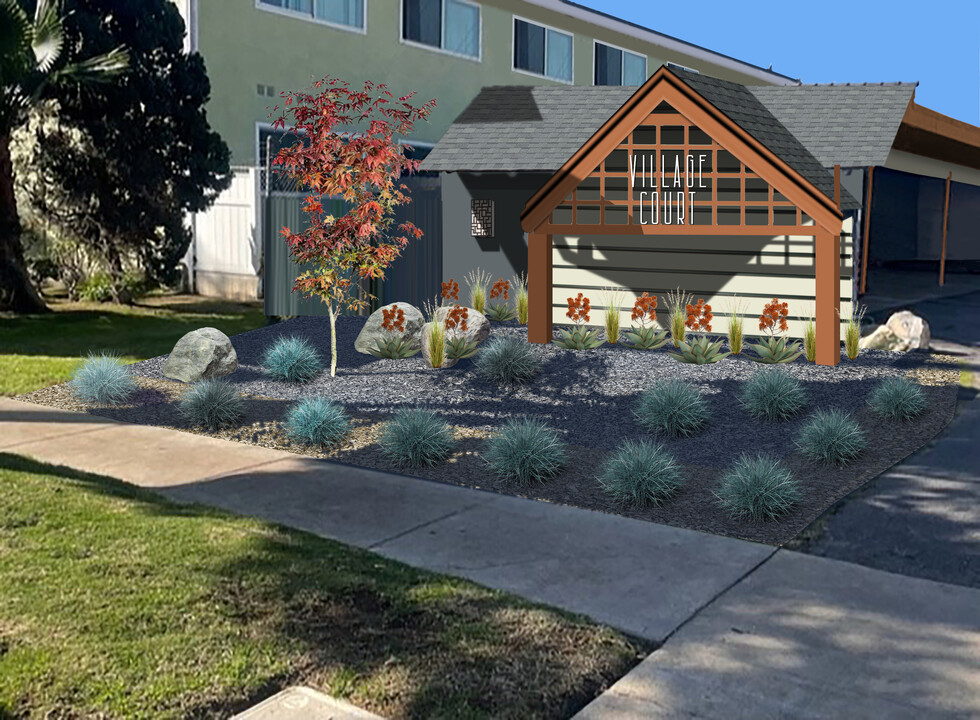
17	292
333	341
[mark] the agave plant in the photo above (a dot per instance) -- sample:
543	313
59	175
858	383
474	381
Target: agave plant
500	311
772	350
393	344
699	351
643	336
581	337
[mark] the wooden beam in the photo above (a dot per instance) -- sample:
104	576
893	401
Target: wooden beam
942	260
867	229
828	298
539	282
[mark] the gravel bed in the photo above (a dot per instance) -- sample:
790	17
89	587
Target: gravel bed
588	396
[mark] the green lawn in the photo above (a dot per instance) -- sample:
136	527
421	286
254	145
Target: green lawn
41	350
115	601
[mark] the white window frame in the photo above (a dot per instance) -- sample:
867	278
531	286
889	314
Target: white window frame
442	27
513	45
622	64
285	12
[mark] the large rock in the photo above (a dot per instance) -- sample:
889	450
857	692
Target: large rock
904	331
446	362
477	325
206	354
372	330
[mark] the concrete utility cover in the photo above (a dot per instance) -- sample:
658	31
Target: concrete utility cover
302	703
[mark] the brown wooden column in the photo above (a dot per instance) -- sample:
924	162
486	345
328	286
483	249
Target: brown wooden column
828	297
539	274
942	260
867	229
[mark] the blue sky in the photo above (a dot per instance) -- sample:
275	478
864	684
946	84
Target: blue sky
936	43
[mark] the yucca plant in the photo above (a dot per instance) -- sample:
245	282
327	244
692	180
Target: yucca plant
641	474
759	488
500	311
645	336
316	421
612	299
102	379
810	338
393	344
477	282
676	304
771	350
581	337
898	398
852	333
735	335
520	298
831	437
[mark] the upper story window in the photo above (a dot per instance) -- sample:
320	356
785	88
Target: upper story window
450	25
542	50
615	66
346	13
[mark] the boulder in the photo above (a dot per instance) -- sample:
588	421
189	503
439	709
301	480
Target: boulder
477	325
446	362
372	331
205	353
904	331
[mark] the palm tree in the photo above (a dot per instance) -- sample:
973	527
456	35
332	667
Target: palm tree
33	63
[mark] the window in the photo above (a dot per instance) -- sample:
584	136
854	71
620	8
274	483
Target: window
450	25
346	13
542	51
614	66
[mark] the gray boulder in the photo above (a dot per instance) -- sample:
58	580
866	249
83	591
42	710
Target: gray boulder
446	362
904	331
205	353
372	330
477	325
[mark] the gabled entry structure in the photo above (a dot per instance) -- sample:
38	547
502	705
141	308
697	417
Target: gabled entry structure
690	164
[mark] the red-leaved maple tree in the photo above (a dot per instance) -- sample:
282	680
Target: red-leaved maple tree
360	165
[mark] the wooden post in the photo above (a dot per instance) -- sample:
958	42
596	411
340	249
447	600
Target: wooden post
942	261
539	278
837	186
828	297
867	229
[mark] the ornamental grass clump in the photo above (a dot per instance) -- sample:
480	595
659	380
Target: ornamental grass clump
520	298
831	437
735	335
810	338
673	408
610	320
641	474
102	379
676	304
316	421
477	282
646	335
772	350
773	394
213	404
393	344
526	451
581	337
434	337
292	359
699	350
898	399
759	488
458	345
508	360
852	333
416	437
500	311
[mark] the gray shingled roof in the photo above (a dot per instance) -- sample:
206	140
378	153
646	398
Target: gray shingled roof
853	125
812	127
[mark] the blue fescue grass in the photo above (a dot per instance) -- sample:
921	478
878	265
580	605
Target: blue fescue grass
213	404
316	421
673	408
641	474
416	437
773	394
525	450
508	360
759	488
102	379
292	359
831	437
898	399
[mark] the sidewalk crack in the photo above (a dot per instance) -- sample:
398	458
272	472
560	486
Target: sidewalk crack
415	528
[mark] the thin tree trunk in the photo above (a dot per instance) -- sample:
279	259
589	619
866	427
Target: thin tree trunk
17	292
333	341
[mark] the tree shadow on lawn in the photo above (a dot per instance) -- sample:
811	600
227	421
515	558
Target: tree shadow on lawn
398	641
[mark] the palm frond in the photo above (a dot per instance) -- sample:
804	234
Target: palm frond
15	40
101	68
48	34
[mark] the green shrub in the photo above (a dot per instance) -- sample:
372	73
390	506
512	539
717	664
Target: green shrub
673	408
97	287
416	437
641	474
525	450
292	359
316	421
773	394
102	379
831	437
508	359
759	488
213	404
898	398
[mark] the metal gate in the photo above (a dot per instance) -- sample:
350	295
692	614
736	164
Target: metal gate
414	277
